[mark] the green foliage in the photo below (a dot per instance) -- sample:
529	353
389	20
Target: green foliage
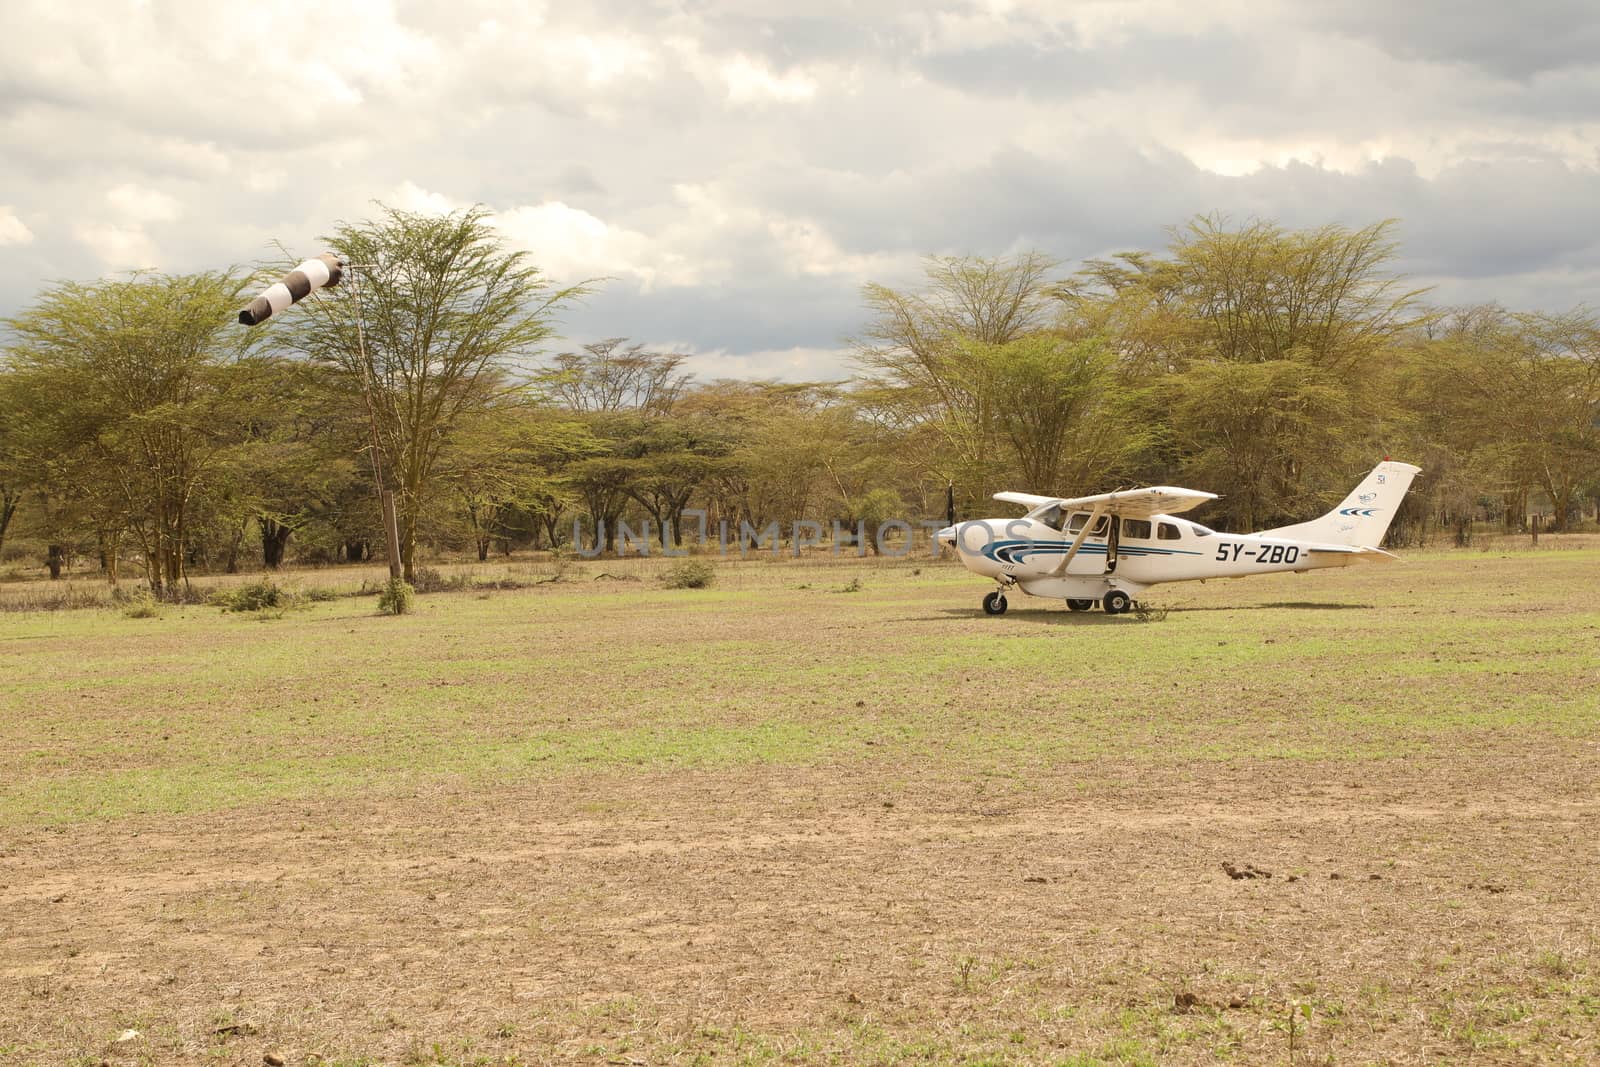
689	574
1266	364
396	597
427	334
264	594
433	580
135	388
1148	613
141	605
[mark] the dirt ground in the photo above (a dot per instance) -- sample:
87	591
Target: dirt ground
863	901
1446	912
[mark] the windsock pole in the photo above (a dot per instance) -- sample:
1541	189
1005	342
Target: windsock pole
320	272
391	526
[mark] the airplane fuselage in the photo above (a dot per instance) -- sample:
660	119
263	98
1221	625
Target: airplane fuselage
1027	552
1110	547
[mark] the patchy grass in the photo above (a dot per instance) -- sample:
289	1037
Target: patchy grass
599	821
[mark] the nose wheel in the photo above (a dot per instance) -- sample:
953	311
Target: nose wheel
994	603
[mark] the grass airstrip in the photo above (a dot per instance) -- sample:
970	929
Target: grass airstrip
821	812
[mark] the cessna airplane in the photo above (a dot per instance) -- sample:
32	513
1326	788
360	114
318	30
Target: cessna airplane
1112	547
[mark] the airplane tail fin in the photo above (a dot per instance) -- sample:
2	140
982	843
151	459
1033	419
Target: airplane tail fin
1364	517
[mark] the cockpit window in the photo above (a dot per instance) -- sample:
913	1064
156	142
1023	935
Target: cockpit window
1050	516
1167	532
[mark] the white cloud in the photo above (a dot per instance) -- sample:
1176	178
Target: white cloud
118	247
12	229
808	249
566	242
409	196
749	81
570	244
139	205
740	169
798	364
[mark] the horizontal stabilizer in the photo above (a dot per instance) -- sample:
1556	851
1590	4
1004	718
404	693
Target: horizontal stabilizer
1357	553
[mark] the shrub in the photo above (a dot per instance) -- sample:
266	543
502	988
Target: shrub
141	605
854	586
261	595
396	597
321	594
1146	613
690	574
432	580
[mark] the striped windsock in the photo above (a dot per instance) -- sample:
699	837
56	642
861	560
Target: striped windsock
326	269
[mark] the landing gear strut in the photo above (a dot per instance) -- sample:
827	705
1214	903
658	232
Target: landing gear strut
1116	602
994	603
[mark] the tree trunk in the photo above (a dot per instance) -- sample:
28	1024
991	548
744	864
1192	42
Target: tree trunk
356	551
483	550
408	549
8	508
274	540
552	529
53	559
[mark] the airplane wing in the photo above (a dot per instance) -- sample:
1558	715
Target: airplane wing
1130	503
1027	500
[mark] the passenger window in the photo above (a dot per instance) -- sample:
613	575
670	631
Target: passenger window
1137	529
1080	517
1167	532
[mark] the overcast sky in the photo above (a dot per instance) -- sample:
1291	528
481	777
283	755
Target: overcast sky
739	170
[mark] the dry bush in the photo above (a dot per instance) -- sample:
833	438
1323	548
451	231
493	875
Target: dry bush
689	574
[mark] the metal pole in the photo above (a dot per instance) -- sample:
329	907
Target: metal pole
391	526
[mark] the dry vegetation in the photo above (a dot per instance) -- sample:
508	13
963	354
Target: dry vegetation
603	821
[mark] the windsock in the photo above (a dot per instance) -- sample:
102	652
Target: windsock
325	270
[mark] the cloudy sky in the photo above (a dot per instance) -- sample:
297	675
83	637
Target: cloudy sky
740	169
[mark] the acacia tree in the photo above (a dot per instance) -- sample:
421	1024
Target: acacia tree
505	464
299	456
444	309
924	353
130	382
1519	397
612	375
1058	411
1246	427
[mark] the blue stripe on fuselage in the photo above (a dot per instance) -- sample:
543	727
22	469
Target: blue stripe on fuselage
1018	550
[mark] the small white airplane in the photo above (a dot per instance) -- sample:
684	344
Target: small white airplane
1112	547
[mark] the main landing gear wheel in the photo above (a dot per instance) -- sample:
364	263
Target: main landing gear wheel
1116	602
1079	605
994	603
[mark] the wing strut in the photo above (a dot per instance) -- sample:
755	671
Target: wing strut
1077	542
